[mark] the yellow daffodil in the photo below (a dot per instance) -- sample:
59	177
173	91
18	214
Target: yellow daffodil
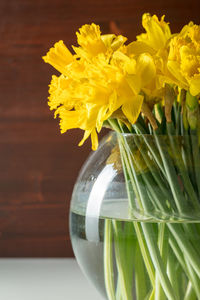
152	47
59	57
184	58
157	35
97	81
91	42
88	101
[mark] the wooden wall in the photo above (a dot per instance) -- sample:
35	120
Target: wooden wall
38	165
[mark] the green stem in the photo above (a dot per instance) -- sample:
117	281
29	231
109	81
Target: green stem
125	281
140	276
145	252
187	153
194	278
157	261
181	167
172	268
163	247
138	230
172	176
162	185
185	245
182	259
190	294
196	157
153	150
108	260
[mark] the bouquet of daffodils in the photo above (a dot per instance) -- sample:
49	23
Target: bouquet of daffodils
149	88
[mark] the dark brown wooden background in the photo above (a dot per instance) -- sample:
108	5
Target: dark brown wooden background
38	165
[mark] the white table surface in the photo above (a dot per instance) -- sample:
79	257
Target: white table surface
44	279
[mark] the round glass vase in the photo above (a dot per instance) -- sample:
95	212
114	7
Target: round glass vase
134	217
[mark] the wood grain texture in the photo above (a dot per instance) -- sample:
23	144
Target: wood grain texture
38	166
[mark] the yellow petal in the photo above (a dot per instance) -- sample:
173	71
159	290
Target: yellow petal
112	41
138	47
107	39
118	42
94	139
68	119
195	86
130	66
89	38
114	102
186	51
132	108
88	32
102	115
85	136
134	82
158	32
174	69
59	92
195	34
59	57
146	69
118	56
127	64
186	28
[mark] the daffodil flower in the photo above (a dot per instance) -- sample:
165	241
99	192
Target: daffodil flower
184	58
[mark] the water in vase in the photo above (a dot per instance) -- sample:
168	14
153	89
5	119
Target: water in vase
137	259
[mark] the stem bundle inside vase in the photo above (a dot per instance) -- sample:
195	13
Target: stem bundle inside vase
165	187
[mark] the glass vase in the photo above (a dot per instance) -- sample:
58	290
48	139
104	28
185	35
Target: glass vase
134	217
